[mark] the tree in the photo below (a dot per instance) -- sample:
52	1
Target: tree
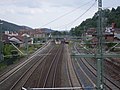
7	49
111	16
56	33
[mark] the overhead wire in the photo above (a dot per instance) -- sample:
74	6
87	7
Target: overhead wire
72	22
83	13
65	14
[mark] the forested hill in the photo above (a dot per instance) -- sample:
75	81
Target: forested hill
109	17
6	26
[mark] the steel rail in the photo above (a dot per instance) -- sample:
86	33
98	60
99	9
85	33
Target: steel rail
89	68
40	76
36	81
96	75
68	69
59	88
41	69
56	66
89	79
104	77
57	53
13	71
7	74
41	73
68	74
41	64
35	65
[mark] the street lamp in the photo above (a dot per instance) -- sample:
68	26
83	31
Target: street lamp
1	43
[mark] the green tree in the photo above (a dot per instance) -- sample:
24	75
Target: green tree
110	16
7	49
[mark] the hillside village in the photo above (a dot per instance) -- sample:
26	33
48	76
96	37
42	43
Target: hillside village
18	38
111	34
111	38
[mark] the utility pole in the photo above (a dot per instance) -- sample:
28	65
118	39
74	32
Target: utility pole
26	44
26	37
100	55
1	43
100	85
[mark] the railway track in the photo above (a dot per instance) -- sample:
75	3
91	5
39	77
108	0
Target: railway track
51	77
109	84
114	70
84	79
4	76
92	69
43	70
9	78
27	74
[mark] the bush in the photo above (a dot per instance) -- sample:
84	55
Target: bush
7	49
9	61
109	45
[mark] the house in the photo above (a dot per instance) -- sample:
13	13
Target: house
21	32
109	37
5	38
38	33
35	33
14	39
17	39
117	34
91	36
11	33
90	32
28	38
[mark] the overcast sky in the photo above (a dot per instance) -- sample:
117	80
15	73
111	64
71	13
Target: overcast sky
37	13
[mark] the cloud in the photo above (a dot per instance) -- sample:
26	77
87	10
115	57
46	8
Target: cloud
41	3
52	3
30	4
36	13
21	3
21	11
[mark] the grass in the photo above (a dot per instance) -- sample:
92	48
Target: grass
31	49
2	65
34	47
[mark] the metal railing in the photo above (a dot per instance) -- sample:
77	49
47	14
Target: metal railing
62	88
